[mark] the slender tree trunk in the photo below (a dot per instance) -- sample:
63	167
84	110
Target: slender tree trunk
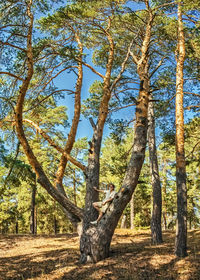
55	225
132	214
156	229
16	226
164	208
164	196
35	220
123	222
74	186
33	205
181	225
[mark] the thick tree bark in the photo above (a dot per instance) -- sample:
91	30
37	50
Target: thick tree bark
181	225
95	240
91	241
156	229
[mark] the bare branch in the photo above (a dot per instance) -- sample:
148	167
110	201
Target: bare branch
93	70
8	101
11	25
193	149
46	97
195	94
123	107
157	67
92	123
122	67
54	145
12	75
192	106
134	57
164	5
13	46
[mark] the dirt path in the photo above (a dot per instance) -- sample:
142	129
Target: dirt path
132	258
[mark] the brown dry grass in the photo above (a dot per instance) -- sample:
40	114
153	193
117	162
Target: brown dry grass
132	258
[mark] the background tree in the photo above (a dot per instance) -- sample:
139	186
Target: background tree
60	45
181	234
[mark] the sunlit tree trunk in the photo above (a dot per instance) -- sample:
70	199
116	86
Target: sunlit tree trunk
181	225
93	246
95	240
164	196
74	186
132	214
156	229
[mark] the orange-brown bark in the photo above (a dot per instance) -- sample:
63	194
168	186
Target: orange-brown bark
181	229
75	121
41	177
55	145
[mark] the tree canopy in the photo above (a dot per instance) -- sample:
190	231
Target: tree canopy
77	81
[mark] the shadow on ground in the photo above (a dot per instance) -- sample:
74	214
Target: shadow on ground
131	257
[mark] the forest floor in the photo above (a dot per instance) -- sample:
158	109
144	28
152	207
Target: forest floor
132	257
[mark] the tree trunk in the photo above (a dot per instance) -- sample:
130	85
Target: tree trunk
33	205
35	220
55	225
95	240
16	226
164	195
132	214
74	186
123	222
156	229
93	245
181	225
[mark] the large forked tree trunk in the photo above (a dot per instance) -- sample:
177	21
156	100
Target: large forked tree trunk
89	248
156	229
181	227
95	240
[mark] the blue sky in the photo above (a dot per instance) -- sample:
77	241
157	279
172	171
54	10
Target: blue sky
68	81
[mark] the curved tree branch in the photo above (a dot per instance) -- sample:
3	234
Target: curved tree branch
12	75
41	176
56	146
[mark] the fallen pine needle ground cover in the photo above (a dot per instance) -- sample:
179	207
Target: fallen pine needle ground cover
132	257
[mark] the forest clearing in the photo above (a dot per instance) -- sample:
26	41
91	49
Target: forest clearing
99	130
132	257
